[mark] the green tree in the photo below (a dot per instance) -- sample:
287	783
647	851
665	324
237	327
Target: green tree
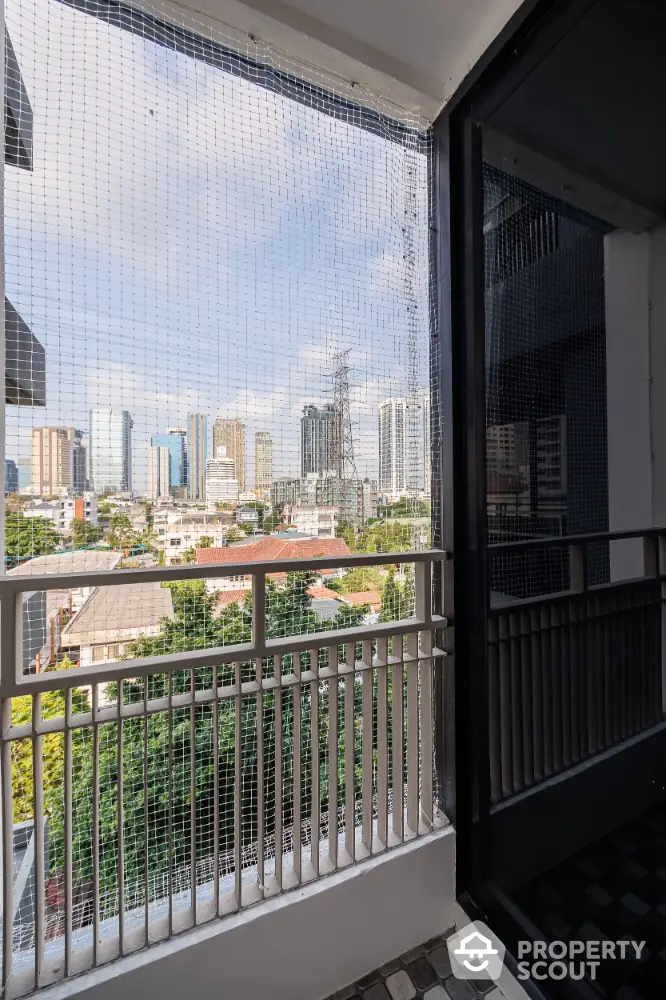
168	782
53	751
363	578
397	600
121	533
29	536
234	534
205	542
272	520
84	533
345	530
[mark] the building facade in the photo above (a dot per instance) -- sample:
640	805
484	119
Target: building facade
159	465
79	464
230	434
110	450
317	425
354	499
51	459
197	453
174	442
263	463
393	447
221	481
320	522
11	476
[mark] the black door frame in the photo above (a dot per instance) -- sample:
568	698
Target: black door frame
458	386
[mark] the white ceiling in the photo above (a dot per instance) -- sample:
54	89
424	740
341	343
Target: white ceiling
414	53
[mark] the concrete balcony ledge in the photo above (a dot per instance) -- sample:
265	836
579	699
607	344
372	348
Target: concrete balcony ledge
302	945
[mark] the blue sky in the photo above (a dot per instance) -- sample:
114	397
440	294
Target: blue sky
189	241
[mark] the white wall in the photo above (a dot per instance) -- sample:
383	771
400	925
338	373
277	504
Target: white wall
635	290
303	945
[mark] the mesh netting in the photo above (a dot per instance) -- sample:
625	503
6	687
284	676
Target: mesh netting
546	437
217	276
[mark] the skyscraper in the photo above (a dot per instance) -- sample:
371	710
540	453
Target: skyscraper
110	450
158	471
51	459
221	482
426	461
393	447
174	442
182	433
197	452
317	425
79	477
230	434
11	476
263	463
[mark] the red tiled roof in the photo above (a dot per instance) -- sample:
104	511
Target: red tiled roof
229	596
370	597
318	592
267	549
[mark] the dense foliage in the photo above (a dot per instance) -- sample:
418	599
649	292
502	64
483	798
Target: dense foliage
155	800
84	533
29	536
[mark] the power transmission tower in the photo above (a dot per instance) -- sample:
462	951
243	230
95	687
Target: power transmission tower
343	461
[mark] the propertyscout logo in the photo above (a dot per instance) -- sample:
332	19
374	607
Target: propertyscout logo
476	953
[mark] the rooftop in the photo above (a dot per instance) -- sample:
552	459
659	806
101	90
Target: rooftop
270	548
113	612
81	561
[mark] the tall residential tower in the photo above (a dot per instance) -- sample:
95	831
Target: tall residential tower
263	463
317	428
230	434
197	453
110	450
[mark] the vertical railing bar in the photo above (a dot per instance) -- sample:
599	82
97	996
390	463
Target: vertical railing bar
413	732
260	776
146	844
121	827
350	771
425	681
11	641
277	673
333	745
397	741
259	612
423	609
382	741
193	798
315	818
238	819
38	805
170	802
7	846
366	747
69	823
216	793
95	818
297	767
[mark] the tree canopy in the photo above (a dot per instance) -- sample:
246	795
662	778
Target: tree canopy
84	533
29	536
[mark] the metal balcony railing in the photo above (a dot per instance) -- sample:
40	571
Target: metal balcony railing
575	672
316	751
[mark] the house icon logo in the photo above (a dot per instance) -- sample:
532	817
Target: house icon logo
475	953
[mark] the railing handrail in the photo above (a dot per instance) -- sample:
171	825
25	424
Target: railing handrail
554	541
22	583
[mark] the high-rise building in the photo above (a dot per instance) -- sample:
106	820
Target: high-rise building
51	459
393	447
426	461
158	472
180	432
110	450
79	467
174	442
24	470
11	476
197	453
230	434
221	482
317	426
263	463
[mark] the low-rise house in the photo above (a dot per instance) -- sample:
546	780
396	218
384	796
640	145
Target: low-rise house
45	611
61	512
269	549
320	522
173	533
113	617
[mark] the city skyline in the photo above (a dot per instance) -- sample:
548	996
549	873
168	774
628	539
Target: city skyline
194	310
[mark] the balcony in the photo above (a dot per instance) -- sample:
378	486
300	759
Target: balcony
366	698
